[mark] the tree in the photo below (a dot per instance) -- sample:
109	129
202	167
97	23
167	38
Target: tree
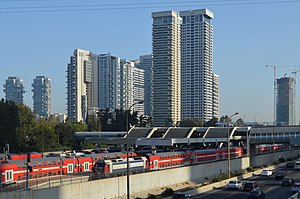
191	122
211	122
240	122
225	119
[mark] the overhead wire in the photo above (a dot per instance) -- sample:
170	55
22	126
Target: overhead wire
130	6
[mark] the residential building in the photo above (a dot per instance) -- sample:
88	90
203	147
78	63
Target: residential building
145	62
14	89
109	90
196	65
138	90
41	89
215	96
126	83
285	103
80	85
166	67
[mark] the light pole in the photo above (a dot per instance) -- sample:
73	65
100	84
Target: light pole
228	143
127	146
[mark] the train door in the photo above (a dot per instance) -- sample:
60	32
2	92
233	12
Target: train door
9	175
70	168
155	163
86	166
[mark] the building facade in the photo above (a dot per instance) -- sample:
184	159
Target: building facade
285	106
215	96
197	64
14	89
145	62
138	90
41	89
166	67
80	82
109	82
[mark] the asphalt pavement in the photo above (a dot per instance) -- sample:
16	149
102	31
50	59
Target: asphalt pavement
271	187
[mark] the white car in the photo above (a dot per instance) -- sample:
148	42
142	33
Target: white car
234	184
266	172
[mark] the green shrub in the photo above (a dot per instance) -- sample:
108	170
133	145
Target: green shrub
167	192
249	169
281	160
151	196
219	178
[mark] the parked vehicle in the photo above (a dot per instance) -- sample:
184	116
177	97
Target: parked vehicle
266	172
234	184
279	175
287	181
250	185
256	194
289	165
180	195
297	164
296	187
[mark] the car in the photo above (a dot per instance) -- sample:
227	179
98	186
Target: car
234	184
296	187
250	185
181	195
266	172
279	175
256	194
287	181
289	165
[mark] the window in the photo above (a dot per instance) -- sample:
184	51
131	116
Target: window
49	173
86	166
40	175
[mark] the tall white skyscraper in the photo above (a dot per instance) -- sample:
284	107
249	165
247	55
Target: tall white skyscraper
215	96
138	90
197	64
80	82
109	82
166	67
126	83
14	89
145	63
41	89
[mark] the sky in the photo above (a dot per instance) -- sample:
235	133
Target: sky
37	37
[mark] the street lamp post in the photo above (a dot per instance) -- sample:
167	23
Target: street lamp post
127	145
228	143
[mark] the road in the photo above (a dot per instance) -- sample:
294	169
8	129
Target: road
271	187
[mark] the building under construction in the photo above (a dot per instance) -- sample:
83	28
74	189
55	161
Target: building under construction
285	106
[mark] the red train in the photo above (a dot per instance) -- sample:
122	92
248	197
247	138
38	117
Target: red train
109	163
19	156
164	160
269	148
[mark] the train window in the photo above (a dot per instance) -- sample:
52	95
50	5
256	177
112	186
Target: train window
34	164
49	163
45	163
40	164
49	173
45	174
54	162
34	175
58	173
30	176
19	178
23	166
40	175
54	173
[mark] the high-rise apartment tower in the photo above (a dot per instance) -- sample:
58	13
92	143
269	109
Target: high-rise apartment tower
41	89
166	67
196	65
14	89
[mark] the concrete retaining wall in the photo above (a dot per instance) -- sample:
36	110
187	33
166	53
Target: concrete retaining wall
116	187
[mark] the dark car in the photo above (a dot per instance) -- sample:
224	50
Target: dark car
180	195
287	181
289	165
256	194
279	175
250	185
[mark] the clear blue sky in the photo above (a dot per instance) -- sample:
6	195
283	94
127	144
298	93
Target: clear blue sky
247	36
